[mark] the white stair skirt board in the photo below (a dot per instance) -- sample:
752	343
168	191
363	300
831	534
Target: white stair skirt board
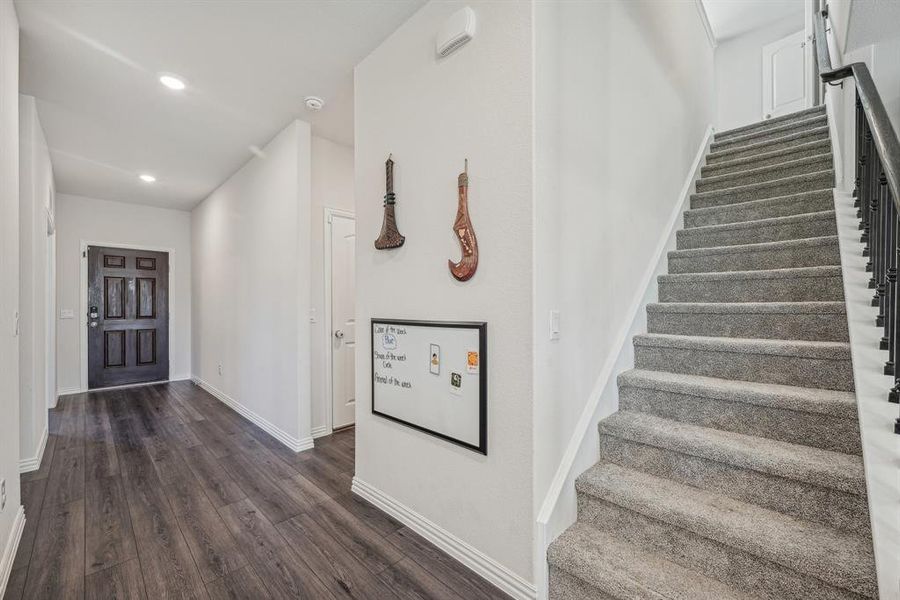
9	550
295	444
483	565
558	510
880	444
33	464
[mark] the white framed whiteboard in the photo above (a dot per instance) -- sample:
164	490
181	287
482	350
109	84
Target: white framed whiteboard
432	376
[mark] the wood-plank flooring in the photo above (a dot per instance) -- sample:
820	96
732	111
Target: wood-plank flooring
161	491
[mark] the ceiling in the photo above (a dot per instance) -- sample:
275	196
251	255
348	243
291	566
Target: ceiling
94	66
731	18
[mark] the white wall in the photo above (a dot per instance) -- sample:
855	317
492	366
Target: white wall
431	114
251	295
37	368
101	222
10	516
332	187
624	96
739	73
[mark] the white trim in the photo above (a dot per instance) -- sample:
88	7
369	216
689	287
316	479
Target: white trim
704	18
83	301
27	465
880	445
295	444
319	431
557	511
483	565
329	212
67	392
9	552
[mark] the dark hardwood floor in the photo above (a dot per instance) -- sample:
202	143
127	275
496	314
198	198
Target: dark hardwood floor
163	492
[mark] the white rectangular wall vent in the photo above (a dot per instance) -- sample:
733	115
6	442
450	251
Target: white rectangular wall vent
459	29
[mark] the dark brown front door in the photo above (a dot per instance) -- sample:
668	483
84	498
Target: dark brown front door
128	316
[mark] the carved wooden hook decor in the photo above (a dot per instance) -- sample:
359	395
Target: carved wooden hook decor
390	237
462	227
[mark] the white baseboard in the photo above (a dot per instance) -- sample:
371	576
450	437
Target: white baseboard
27	465
295	444
558	510
68	391
320	431
182	377
9	550
880	445
483	565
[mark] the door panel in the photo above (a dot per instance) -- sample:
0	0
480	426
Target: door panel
343	320
128	316
785	89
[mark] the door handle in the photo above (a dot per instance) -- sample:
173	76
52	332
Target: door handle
339	334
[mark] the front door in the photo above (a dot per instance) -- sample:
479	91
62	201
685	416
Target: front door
785	85
343	321
128	316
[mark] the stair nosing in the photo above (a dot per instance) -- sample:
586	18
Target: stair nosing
811	307
796	272
836	351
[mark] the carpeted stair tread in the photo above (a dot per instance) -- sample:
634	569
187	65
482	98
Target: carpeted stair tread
620	570
805	225
823	468
787	141
799	348
769	123
721	276
767	159
799	166
806	252
786	308
839	558
770	395
794	184
780	130
798	284
779	206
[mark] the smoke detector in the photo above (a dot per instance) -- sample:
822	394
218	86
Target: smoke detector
314	103
457	31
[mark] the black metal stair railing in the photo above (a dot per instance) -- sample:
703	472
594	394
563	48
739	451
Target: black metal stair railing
877	193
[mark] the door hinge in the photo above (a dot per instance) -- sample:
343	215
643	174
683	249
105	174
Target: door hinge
84	254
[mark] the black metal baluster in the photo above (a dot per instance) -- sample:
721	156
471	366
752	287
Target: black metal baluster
860	118
890	325
865	204
883	247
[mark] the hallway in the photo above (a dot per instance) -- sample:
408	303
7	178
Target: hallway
162	491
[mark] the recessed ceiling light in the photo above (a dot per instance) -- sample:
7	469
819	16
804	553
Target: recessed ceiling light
314	103
146	177
172	82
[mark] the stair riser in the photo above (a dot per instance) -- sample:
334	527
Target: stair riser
814	327
808	429
768	124
767	159
757	260
767	135
800	371
564	586
740	569
767	209
821	181
769	174
811	136
801	289
780	232
795	498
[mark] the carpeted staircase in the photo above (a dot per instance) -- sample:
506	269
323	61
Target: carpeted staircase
733	468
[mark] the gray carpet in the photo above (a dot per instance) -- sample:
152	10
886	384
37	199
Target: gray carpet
733	468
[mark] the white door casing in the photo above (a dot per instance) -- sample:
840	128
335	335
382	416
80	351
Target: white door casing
343	320
785	84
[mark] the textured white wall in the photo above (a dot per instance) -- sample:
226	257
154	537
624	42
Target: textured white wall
332	187
431	114
250	291
37	349
624	94
105	222
739	73
9	270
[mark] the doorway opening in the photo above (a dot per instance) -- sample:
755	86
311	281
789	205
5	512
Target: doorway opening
125	291
340	317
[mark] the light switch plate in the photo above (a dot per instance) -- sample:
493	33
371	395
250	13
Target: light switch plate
554	324
66	313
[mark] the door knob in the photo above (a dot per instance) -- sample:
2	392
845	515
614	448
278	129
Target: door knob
339	334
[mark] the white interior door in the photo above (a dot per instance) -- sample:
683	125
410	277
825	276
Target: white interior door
343	321
785	86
